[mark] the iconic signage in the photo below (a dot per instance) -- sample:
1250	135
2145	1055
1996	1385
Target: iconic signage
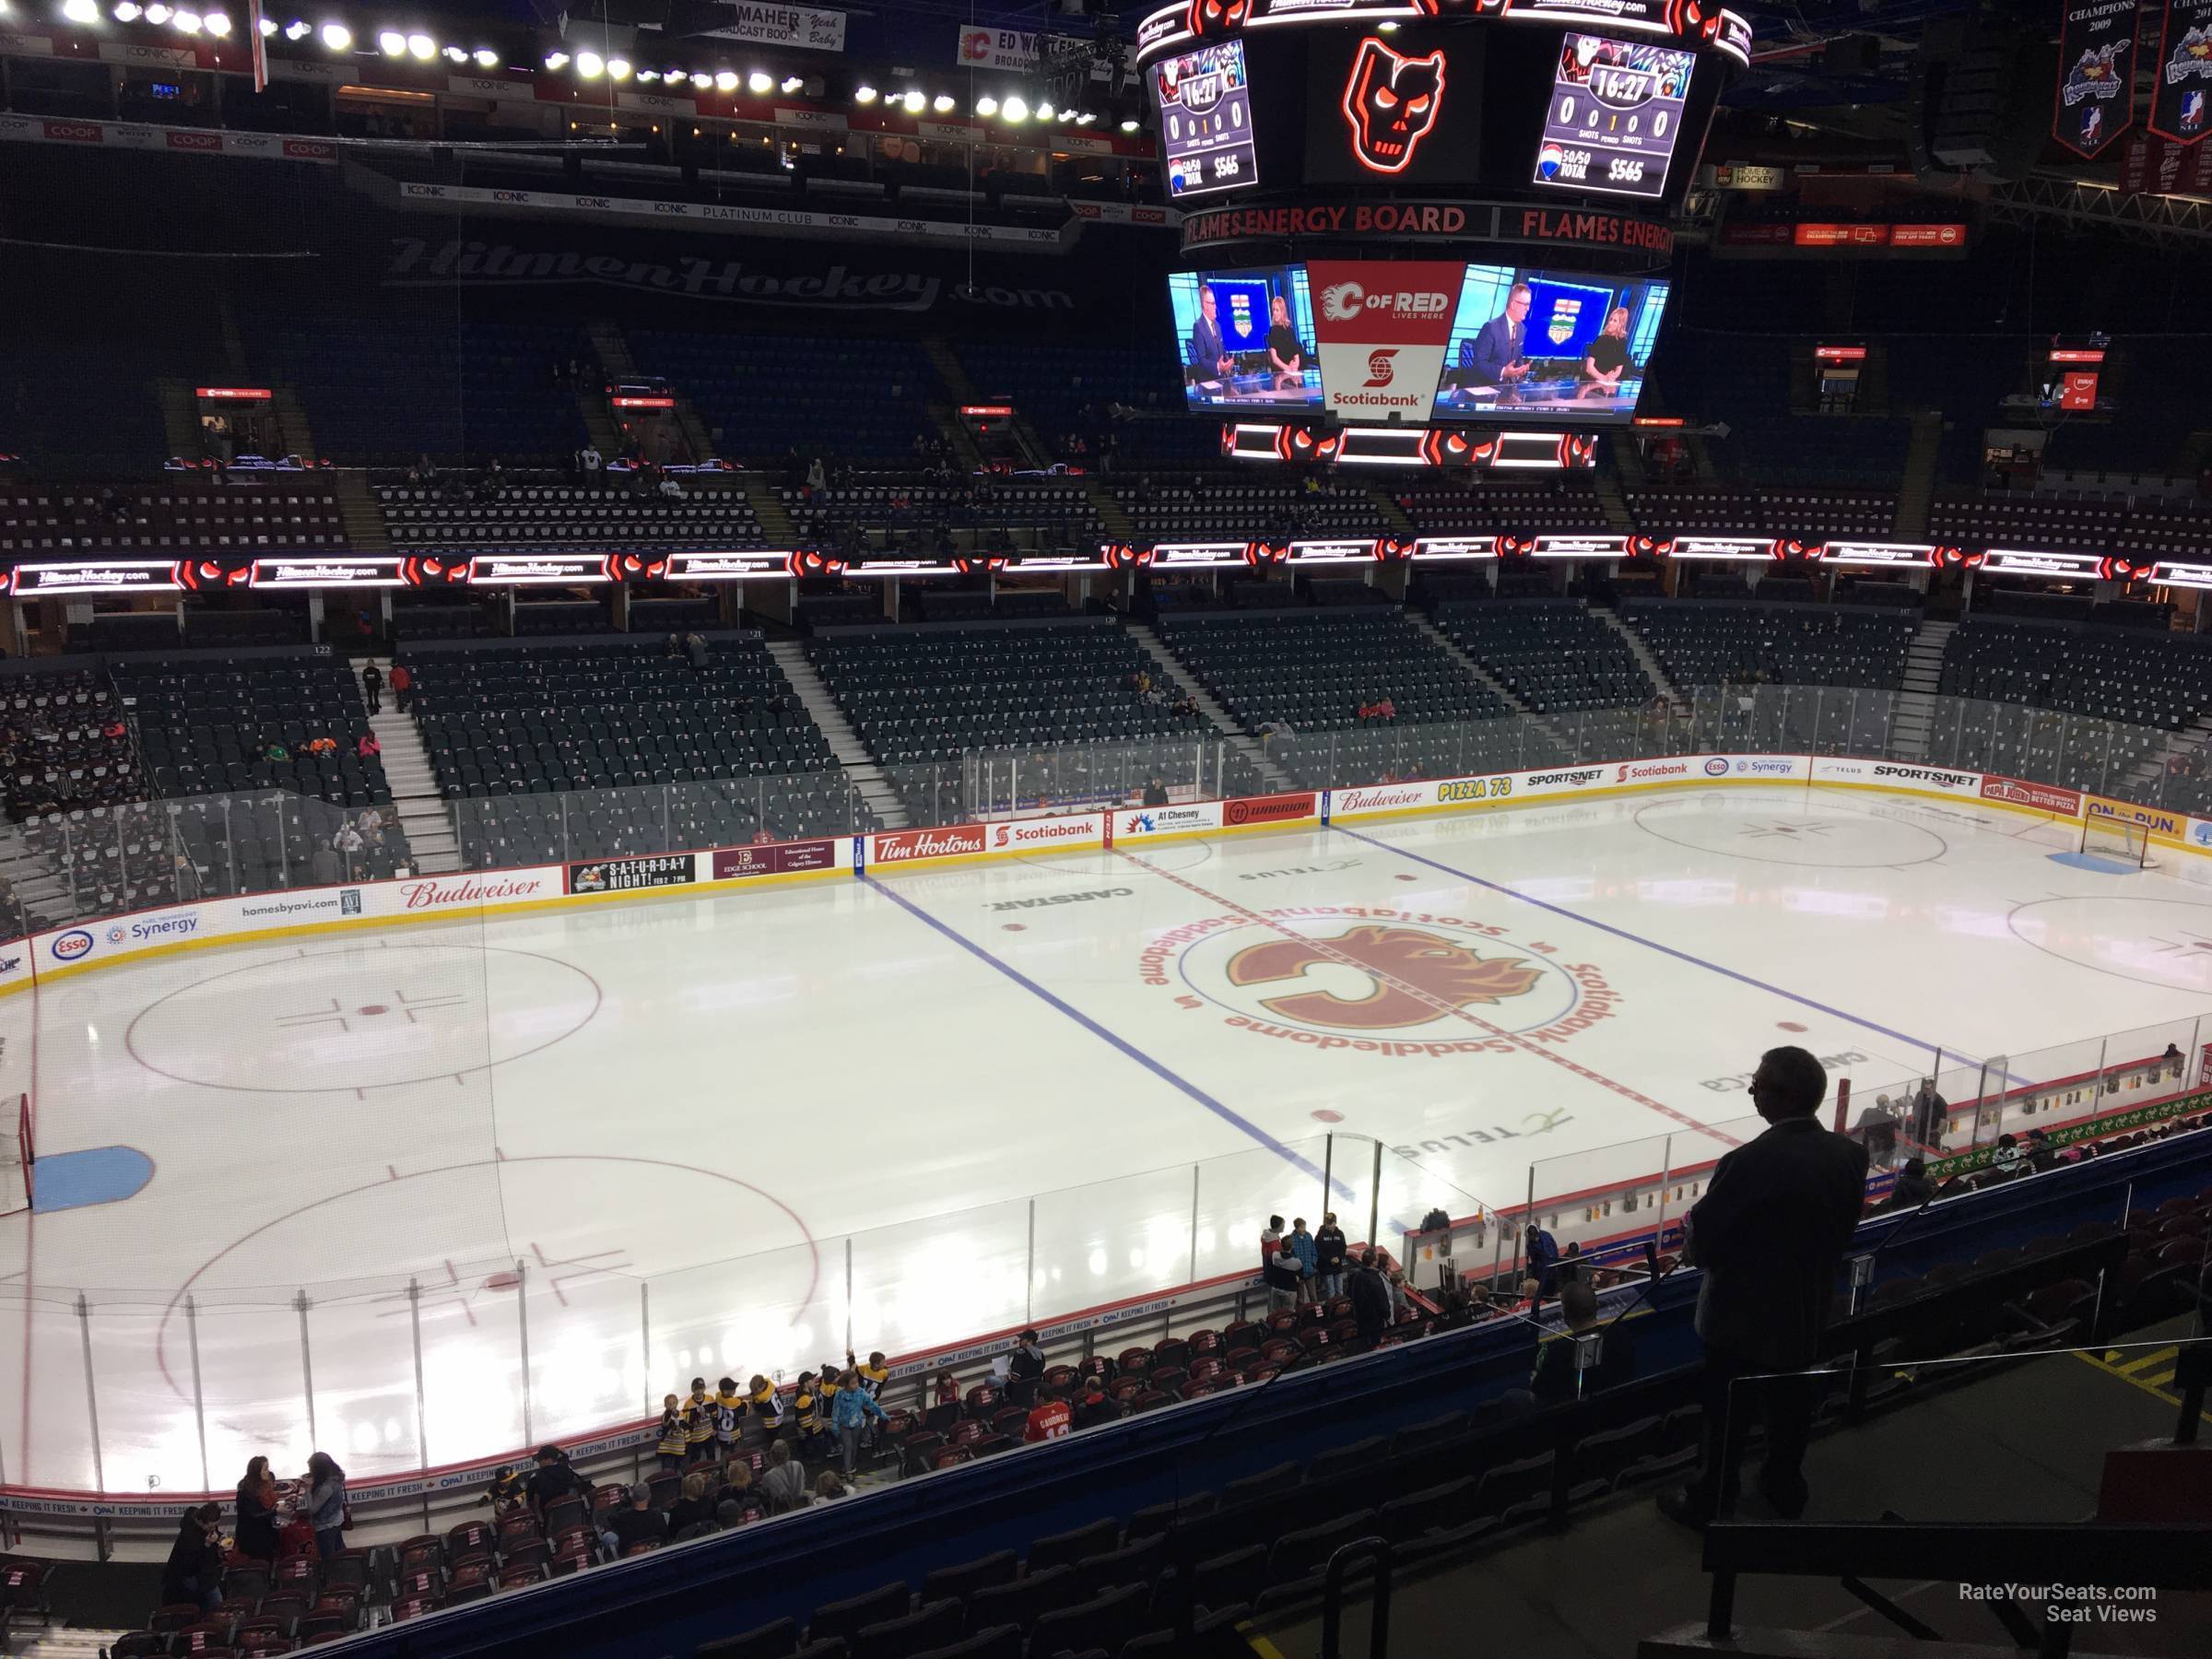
2181	78
2094	102
1390	103
1380	330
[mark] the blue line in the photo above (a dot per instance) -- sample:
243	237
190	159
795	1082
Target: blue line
1622	933
1183	1084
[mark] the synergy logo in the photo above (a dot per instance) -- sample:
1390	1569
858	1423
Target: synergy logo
1390	103
1379	366
72	945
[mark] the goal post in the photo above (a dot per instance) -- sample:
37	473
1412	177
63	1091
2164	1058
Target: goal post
2116	840
17	1157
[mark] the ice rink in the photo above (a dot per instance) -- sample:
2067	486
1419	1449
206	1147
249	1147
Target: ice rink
717	1133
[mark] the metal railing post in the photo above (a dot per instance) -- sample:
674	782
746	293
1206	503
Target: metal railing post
84	1326
199	1401
422	1415
1374	1198
307	1363
522	1312
1194	1170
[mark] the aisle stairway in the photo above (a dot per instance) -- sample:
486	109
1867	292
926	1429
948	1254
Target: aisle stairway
1481	675
1238	739
1644	659
844	743
1916	701
423	814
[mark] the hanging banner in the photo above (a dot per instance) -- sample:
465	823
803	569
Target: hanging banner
984	48
2182	78
2096	100
1381	327
783	26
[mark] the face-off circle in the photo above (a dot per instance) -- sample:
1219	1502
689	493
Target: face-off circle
1770	831
2151	941
360	1017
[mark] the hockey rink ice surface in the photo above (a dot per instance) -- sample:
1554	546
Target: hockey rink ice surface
690	1120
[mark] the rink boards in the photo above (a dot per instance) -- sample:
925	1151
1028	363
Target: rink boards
254	918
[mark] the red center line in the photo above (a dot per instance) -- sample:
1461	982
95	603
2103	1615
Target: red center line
1422	995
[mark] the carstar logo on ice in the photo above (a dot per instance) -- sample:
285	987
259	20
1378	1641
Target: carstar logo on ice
1379	366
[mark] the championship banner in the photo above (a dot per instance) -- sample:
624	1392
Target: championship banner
2182	76
2096	99
1379	331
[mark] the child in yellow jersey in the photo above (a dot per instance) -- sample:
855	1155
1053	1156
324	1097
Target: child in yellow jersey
806	1413
673	1439
699	1421
729	1405
766	1406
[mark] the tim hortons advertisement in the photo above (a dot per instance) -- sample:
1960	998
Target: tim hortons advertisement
2044	798
919	846
773	858
1380	330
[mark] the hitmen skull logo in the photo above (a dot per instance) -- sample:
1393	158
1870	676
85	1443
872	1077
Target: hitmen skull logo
1391	102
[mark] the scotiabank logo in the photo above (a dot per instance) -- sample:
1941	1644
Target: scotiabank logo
1655	769
1037	832
1268	809
1379	366
467	890
903	846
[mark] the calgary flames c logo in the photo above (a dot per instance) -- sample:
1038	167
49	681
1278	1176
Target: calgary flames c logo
1415	977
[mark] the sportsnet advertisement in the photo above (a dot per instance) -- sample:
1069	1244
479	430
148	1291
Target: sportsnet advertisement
1380	330
2094	105
1898	774
2180	79
1598	777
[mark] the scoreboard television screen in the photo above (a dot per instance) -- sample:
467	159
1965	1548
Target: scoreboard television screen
1246	338
1551	345
1615	112
1205	100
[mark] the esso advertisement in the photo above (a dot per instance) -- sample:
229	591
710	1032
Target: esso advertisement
1380	328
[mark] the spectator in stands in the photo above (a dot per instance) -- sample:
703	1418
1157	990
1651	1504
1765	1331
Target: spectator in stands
2042	1154
1026	1362
1543	1259
729	1411
853	1407
324	866
1913	1189
1155	793
327	1509
403	686
186	876
817	480
589	461
694	1505
1775	1217
276	751
638	1525
784	1485
1927	1115
256	1532
695	649
194	1570
699	1421
368	748
1049	1418
2006	1160
1877	1130
1094	1405
945	1389
323	744
1393	1277
1556	1378
669	1448
734	1500
1302	1247
554	1480
1328	1259
1370	1298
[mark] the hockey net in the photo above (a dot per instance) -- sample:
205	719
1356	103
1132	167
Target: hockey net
16	1156
2117	840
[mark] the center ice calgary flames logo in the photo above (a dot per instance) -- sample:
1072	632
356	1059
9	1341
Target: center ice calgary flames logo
1414	977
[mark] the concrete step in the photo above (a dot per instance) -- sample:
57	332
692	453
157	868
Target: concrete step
861	767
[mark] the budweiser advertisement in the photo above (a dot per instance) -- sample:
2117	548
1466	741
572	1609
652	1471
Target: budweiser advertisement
1379	329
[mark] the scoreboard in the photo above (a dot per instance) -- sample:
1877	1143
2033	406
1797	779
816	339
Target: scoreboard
1205	103
1616	110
